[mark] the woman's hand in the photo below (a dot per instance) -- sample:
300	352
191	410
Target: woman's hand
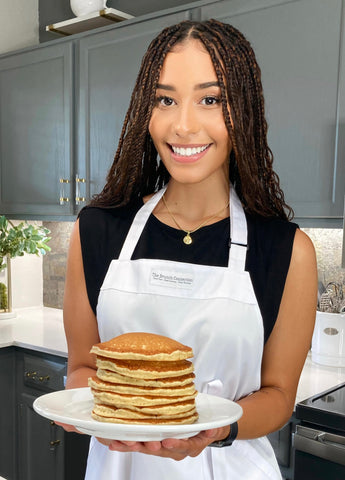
68	428
170	447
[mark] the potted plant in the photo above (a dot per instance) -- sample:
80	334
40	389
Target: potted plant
15	240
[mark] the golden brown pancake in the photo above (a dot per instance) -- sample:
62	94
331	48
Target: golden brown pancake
145	368
121	400
143	346
111	376
114	412
119	388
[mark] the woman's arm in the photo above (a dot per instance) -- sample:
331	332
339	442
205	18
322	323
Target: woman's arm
287	347
79	320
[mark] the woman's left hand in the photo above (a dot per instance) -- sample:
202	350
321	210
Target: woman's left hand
172	447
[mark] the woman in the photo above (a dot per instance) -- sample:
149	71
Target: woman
248	310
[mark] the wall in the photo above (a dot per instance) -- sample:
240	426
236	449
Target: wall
18	24
54	263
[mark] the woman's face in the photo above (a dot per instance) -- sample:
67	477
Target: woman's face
187	124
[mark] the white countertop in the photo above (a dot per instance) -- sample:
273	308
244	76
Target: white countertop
41	329
36	328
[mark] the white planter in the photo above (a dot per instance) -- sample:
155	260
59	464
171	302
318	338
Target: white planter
83	7
328	343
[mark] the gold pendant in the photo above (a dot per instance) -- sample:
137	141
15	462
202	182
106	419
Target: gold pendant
187	239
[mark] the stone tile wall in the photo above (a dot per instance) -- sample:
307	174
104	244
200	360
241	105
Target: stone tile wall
327	242
328	247
54	263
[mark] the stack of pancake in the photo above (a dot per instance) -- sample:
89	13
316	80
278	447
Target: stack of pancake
143	378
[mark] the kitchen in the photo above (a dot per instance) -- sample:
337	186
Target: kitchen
40	281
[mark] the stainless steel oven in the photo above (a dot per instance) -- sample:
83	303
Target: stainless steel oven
319	439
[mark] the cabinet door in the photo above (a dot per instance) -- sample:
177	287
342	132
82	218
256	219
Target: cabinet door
297	46
109	63
40	444
36	131
7	413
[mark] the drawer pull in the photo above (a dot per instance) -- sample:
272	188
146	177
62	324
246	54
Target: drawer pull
35	376
53	444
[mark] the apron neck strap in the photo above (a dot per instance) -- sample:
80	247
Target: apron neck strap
238	240
138	225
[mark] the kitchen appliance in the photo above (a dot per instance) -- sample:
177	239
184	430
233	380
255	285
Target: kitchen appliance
319	438
328	342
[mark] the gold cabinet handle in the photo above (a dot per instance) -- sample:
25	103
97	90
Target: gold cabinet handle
36	376
78	198
63	198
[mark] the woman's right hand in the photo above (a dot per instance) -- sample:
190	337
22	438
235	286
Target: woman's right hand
68	428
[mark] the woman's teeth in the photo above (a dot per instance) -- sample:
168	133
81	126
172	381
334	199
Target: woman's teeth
187	152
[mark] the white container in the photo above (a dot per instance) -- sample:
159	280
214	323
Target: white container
328	343
83	7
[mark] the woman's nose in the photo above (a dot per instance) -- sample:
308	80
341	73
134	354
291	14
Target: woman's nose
186	121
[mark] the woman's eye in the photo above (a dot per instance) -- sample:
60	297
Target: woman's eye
164	101
211	100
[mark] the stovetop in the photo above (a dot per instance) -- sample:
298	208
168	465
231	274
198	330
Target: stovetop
326	409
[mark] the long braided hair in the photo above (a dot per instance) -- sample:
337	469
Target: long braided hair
137	170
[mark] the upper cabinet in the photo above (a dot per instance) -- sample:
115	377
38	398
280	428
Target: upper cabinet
36	130
109	64
298	47
62	108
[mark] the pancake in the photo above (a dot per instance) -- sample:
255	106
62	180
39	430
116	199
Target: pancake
143	346
152	410
111	376
122	399
119	388
142	421
114	412
146	369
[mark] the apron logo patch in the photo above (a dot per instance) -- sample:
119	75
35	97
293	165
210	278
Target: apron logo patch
171	279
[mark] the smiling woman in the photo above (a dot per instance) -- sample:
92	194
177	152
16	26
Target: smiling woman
192	195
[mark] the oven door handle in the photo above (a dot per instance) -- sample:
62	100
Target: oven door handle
320	444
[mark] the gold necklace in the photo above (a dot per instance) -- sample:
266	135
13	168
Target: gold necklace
187	239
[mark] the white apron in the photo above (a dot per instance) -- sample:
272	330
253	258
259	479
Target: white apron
213	310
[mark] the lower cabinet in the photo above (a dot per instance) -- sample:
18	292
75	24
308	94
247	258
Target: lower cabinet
36	447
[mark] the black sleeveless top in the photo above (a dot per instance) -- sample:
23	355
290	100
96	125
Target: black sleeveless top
103	231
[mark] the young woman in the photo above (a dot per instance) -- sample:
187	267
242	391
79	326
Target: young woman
192	193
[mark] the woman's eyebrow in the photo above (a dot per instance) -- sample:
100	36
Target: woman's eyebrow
199	86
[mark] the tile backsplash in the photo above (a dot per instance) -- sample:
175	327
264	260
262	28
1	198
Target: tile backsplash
327	242
54	263
328	247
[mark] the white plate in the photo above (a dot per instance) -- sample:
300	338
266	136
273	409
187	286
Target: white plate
74	407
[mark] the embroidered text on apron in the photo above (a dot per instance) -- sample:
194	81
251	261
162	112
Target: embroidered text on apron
212	309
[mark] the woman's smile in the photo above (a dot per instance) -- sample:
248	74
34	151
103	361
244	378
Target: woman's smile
188	153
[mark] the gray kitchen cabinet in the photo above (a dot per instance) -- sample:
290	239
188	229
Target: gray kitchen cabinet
33	447
108	65
7	413
36	131
298	47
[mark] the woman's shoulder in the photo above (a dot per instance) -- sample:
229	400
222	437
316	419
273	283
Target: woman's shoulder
271	232
100	218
